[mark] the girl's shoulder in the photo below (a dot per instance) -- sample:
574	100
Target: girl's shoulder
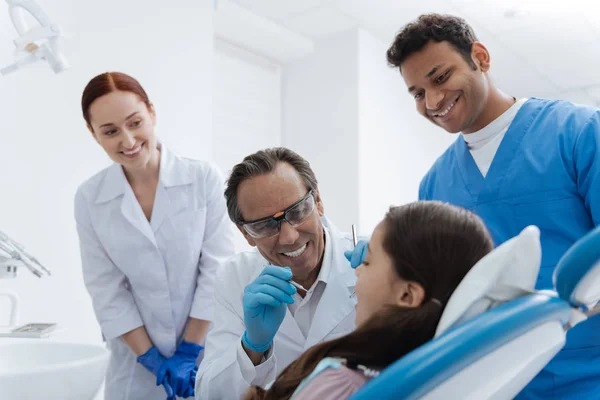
330	380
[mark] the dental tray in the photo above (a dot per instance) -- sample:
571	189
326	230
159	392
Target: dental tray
36	330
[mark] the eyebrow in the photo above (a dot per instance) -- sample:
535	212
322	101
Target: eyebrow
434	70
280	213
429	74
110	123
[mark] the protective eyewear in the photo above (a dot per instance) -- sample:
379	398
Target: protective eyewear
295	215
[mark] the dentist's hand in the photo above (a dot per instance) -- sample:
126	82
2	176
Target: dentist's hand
358	255
264	303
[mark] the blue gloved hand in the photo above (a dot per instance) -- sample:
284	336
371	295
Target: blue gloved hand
192	381
178	369
168	389
358	255
264	306
152	360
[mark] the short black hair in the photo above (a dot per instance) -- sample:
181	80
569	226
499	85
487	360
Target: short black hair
432	27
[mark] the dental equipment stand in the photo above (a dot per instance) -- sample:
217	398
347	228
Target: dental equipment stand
12	257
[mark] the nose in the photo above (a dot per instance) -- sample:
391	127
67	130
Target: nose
287	234
433	100
358	270
128	140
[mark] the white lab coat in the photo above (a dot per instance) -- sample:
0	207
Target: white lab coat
157	273
227	372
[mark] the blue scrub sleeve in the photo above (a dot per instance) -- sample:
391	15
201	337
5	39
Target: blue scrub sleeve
587	165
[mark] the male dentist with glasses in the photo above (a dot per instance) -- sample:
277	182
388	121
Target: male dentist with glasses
263	319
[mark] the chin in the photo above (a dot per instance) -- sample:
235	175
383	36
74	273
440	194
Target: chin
358	320
453	131
303	271
140	162
450	128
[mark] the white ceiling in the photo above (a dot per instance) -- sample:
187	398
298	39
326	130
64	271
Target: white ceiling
551	48
548	46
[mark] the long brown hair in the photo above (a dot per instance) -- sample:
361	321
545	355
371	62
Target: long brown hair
431	243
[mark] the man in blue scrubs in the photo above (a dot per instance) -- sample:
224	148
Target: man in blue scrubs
515	162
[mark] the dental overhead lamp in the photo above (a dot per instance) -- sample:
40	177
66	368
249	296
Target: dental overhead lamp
35	43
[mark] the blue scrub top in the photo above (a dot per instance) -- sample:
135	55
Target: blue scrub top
546	172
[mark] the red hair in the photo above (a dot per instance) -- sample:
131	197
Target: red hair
110	82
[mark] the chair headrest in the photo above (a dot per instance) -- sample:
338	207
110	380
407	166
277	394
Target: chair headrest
505	273
577	275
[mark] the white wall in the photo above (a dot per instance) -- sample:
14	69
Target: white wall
47	151
397	146
246	108
246	104
352	118
320	121
578	96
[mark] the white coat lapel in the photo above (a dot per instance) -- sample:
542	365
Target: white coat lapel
335	305
289	327
162	205
114	185
169	200
336	302
132	211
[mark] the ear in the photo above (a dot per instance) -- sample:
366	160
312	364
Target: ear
152	112
319	203
410	294
480	56
248	238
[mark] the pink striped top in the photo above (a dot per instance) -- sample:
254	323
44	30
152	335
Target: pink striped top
333	384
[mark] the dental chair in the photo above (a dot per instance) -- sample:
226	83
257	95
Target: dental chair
497	332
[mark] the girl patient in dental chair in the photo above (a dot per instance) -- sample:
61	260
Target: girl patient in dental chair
416	258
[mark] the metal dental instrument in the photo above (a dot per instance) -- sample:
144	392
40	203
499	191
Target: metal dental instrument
355	241
298	286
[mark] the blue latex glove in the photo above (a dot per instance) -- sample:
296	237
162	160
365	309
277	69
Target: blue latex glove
152	360
358	255
192	383
264	306
178	369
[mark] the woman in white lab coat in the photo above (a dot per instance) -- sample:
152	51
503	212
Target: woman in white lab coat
153	229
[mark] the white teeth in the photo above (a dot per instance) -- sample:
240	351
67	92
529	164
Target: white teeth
135	150
296	253
447	110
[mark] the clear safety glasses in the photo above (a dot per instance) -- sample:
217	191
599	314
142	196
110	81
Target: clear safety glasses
295	215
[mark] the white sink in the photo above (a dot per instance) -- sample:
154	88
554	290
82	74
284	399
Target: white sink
51	370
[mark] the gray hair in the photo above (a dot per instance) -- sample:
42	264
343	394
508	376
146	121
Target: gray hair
260	163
